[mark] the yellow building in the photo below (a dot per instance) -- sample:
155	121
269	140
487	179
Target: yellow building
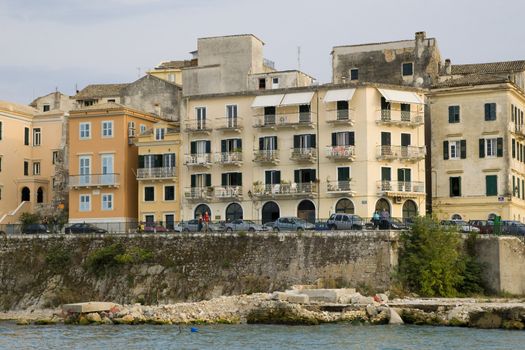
32	143
103	162
157	174
478	142
172	70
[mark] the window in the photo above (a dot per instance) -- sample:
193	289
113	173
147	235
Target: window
142	128
231	145
272	177
407	69
36	168
491	185
453	114
85	130
170	221
268	143
455	149
55	156
345	138
200	113
107	201
149	219
149	194
275	83
306	141
513	149
200	147
491	147
490	111
354	74
169	193
455	186
26	136
88	103
159	134
107	128
26	168
46	108
37	136
262	83
85	202
111	100
231	179
131	129
200	180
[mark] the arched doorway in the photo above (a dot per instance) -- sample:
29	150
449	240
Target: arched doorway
383	204
306	211
345	206
409	209
233	212
270	212
26	194
40	195
200	210
456	217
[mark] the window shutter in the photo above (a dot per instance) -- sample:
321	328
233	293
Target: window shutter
487	111
312	141
223	146
493	111
491	185
141	162
275	142
451	185
193	147
513	148
278	177
297	176
193	180
459	186
208	146
482	148
334	139
261	143
239	143
351	137
463	146
267	177
208	180
295	141
451	114
239	179
224	179
445	150
158	161
400	175
499	150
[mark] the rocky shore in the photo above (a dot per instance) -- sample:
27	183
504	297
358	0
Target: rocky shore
296	307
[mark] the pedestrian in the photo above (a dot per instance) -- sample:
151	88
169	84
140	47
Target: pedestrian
206	221
199	225
385	222
375	219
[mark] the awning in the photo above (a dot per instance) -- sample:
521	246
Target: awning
299	98
339	95
401	96
267	100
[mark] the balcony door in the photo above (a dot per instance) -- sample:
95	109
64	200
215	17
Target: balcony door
405	142
268	143
85	170
404	178
231	114
201	117
386	177
108	176
304	175
304	142
343	178
168	160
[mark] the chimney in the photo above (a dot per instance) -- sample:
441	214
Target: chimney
420	36
448	67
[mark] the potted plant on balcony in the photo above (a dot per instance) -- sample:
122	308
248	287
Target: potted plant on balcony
257	186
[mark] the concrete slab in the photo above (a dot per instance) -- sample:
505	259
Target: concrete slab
92	306
280	296
329	295
298	298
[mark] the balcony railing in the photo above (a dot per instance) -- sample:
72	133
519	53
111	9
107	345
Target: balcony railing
198	126
198	159
285	189
156	173
229	124
340	116
228	158
340	152
293	120
397	117
198	193
94	180
306	154
401	188
340	187
407	153
228	192
517	129
266	156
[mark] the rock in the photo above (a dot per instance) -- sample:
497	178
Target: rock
486	320
371	311
394	317
381	318
83	321
280	296
513	324
281	313
328	295
298	298
106	320
382	297
361	300
23	322
126	319
46	321
93	317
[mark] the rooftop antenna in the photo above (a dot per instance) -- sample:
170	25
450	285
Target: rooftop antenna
298	57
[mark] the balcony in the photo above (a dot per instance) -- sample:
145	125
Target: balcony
405	153
340	188
281	121
400	118
270	156
198	193
340	117
307	154
94	180
517	130
198	160
229	124
228	158
404	189
228	192
346	153
156	173
198	126
285	190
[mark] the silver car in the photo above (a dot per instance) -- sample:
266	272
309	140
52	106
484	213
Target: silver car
244	225
193	226
292	224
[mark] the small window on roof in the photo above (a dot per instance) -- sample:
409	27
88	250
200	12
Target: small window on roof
46	108
408	69
354	74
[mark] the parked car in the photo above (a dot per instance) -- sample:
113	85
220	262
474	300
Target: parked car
393	224
345	222
321	226
244	225
511	227
485	226
269	224
84	228
35	228
152	228
292	224
193	226
461	225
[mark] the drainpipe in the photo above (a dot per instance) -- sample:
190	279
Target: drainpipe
318	159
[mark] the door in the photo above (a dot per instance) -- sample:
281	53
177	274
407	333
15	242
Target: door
386	148
85	170
385	109
170	221
201	117
343	178
405	142
231	114
386	178
404	179
108	176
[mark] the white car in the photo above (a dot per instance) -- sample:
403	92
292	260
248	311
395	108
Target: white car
462	226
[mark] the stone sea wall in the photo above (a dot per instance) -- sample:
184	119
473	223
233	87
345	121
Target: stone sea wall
47	271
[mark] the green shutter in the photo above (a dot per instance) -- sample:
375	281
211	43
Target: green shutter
463	146
499	149
491	182
445	150
482	148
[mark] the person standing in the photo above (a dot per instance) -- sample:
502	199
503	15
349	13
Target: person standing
385	222
206	220
375	219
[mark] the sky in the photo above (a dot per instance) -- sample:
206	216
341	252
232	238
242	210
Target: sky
50	44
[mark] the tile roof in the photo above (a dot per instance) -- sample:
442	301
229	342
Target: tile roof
472	79
18	108
487	68
106	105
177	64
99	90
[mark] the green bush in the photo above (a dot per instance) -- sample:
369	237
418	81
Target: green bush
115	255
29	218
58	258
134	256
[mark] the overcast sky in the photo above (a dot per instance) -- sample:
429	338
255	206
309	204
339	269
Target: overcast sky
46	44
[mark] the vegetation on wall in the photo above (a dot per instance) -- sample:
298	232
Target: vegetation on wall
432	261
116	254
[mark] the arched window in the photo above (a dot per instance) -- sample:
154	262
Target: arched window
306	211
383	204
40	195
26	194
345	206
409	209
457	217
270	212
233	212
200	210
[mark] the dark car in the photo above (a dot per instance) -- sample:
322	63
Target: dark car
511	227
485	226
84	228
34	228
392	224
